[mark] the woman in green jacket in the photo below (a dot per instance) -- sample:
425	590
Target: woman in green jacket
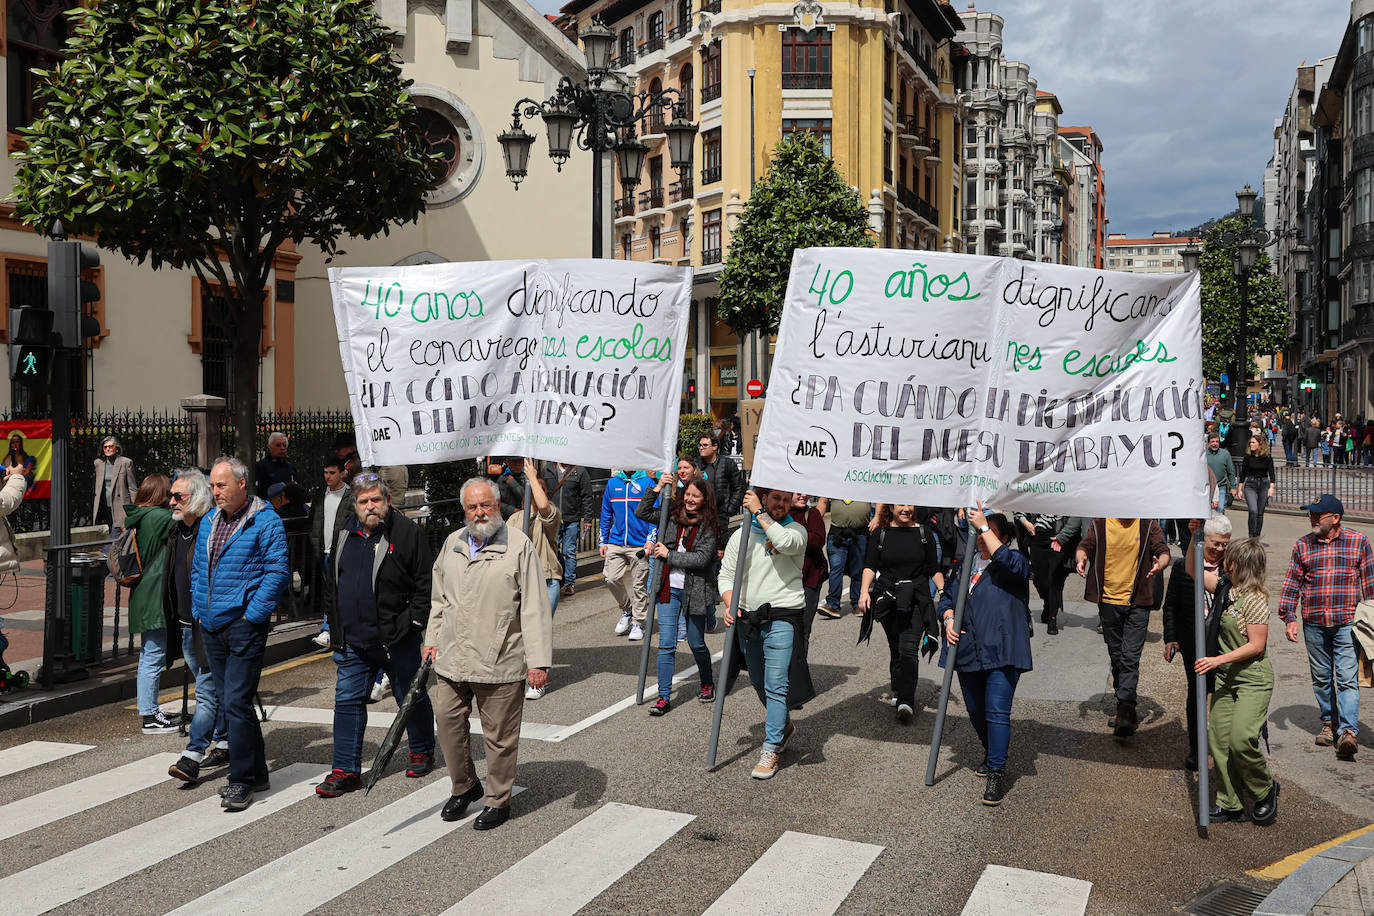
151	522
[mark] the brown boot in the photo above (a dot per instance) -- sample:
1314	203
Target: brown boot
1326	736
1346	745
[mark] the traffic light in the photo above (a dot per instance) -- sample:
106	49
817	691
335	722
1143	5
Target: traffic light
68	293
691	387
31	346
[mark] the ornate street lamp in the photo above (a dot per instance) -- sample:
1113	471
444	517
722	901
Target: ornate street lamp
1192	256
598	116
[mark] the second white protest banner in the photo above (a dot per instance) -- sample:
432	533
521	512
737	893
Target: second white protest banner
577	361
937	379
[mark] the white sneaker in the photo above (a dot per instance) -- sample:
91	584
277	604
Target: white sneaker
636	633
534	693
321	639
623	625
905	713
381	689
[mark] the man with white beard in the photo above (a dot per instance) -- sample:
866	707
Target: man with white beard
490	632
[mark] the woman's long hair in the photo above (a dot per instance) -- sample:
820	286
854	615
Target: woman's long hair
706	515
1244	563
155	490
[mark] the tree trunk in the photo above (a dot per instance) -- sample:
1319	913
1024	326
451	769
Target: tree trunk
247	341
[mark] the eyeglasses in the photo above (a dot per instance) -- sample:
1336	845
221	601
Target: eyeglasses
179	497
366	478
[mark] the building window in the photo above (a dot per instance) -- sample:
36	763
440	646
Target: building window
654	40
1364	41
654	242
626	53
626	241
1363	114
818	126
684	16
1362	283
216	345
37	33
1364	196
806	59
441	140
684	80
710	156
710	73
710	237
887	156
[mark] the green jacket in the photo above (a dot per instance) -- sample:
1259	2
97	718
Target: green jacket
152	525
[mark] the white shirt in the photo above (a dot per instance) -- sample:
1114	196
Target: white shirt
332	499
677	578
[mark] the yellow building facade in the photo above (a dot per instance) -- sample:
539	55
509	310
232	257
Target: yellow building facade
874	80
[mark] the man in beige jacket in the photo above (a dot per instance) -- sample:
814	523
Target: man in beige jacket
490	630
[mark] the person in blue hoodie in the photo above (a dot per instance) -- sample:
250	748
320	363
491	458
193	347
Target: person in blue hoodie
238	572
624	536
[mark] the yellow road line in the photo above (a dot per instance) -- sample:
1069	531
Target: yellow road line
168	695
1289	864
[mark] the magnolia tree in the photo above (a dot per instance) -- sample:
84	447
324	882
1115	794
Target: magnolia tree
208	133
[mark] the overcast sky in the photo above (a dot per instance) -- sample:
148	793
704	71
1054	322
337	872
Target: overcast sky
1183	95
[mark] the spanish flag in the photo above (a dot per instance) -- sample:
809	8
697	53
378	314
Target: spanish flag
29	442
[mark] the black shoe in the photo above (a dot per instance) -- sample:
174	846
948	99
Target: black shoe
1217	814
1052	626
457	804
1125	721
490	818
257	787
185	769
1267	808
337	783
996	788
1044	616
158	723
237	797
1190	762
215	757
981	770
660	707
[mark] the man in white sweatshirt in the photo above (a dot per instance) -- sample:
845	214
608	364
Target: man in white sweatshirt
771	609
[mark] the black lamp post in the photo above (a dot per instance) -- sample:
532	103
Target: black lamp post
600	118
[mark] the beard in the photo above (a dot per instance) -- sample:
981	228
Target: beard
1323	529
371	518
484	530
178	515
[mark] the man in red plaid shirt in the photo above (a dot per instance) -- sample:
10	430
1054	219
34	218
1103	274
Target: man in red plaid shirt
1332	570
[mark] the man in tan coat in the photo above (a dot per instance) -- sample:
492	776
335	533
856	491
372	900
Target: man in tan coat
490	630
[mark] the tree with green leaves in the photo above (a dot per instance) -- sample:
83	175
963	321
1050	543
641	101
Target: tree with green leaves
802	202
1267	318
208	133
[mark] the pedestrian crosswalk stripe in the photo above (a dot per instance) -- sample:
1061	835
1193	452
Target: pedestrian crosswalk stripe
569	871
74	874
46	807
315	715
1014	890
565	732
314	874
31	754
820	872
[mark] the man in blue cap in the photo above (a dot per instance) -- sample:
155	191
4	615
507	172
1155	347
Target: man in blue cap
1332	569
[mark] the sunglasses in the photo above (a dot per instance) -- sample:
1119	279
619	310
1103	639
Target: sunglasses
179	497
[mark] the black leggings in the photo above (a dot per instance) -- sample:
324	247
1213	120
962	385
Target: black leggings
904	649
1049	573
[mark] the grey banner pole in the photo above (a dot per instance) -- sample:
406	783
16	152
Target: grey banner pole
527	521
1200	683
965	574
655	571
727	655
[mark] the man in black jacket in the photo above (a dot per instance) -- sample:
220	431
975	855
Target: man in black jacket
721	472
570	490
377	596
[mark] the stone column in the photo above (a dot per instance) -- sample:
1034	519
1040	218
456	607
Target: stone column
207	415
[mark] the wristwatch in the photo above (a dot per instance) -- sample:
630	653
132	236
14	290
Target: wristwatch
983	529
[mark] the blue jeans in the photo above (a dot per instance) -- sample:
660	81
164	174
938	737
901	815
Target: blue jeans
152	660
357	673
555	592
987	697
235	654
846	559
567	546
670	618
1331	648
769	656
1288	453
208	723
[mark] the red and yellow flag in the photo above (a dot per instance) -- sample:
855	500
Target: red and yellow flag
31	438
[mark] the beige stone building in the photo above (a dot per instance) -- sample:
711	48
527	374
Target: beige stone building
1158	254
470	61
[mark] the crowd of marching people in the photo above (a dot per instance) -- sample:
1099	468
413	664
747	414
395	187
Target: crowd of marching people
957	585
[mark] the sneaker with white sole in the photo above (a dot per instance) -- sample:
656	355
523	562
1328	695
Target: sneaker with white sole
159	724
904	714
535	693
380	689
767	765
622	626
321	639
636	633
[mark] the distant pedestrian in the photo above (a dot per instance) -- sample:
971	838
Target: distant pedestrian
1256	482
19	457
1120	558
1244	686
238	573
1223	469
1331	571
377	594
846	547
1289	433
1311	439
11	497
623	535
490	634
570	489
721	472
151	522
274	467
1049	565
114	486
992	647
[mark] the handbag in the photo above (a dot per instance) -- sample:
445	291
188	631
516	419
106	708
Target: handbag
125	561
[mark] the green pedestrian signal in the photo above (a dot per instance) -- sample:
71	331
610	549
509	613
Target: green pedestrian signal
30	363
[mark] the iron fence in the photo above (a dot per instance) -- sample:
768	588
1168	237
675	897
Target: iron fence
1297	485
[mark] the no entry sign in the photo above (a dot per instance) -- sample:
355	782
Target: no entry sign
754	389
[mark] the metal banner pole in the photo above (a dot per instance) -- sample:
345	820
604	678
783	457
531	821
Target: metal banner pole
656	568
727	656
970	551
526	521
1200	682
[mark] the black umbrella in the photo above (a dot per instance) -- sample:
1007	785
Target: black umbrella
398	727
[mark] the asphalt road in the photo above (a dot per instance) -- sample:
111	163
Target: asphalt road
1082	805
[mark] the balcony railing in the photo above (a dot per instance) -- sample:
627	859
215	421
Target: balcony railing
680	190
806	81
654	123
710	93
624	206
921	62
710	175
1361	327
623	59
711	6
679	31
710	256
651	199
651	44
927	212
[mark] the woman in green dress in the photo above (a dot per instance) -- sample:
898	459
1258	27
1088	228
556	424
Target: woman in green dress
1244	684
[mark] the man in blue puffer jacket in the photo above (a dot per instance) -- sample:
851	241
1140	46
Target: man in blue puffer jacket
623	535
238	572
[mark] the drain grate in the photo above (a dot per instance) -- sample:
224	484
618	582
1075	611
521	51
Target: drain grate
1225	899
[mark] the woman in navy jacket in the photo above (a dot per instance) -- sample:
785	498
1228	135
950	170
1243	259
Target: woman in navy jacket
992	647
